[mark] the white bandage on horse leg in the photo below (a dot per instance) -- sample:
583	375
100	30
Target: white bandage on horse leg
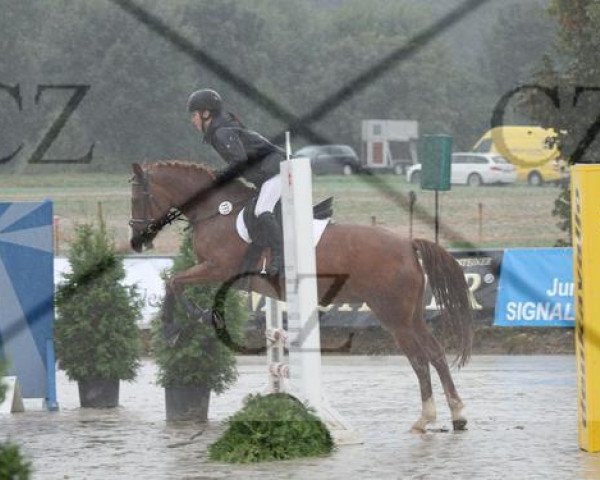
428	415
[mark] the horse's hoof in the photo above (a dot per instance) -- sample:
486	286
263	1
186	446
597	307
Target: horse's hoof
172	341
459	425
417	430
171	332
419	427
215	318
206	317
193	311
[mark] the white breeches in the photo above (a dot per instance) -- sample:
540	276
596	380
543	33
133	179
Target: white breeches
269	195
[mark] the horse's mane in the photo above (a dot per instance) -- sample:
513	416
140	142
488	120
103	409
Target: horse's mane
195	167
182	165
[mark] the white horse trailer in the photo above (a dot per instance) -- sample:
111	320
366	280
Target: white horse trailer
389	145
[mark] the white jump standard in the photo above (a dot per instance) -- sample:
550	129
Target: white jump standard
303	336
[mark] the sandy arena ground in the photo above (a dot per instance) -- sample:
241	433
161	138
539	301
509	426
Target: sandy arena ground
521	409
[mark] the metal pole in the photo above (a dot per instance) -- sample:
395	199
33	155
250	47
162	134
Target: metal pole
480	222
51	399
56	223
412	198
99	212
288	146
437	217
274	323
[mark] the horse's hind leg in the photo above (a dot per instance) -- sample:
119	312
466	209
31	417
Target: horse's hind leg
398	317
420	364
437	358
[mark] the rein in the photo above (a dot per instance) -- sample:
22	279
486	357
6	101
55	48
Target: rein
173	214
152	226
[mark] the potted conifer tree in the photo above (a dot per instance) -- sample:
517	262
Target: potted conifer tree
198	362
97	339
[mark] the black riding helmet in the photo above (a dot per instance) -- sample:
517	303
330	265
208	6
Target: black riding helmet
205	99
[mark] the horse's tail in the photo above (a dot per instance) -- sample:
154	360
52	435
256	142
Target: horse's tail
451	293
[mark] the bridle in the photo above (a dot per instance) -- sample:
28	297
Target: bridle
148	200
146	228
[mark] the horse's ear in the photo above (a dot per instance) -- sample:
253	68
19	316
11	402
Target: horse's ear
137	169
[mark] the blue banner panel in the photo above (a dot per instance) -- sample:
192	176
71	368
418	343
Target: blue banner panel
536	288
27	294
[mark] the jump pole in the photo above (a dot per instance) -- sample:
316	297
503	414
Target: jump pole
303	336
585	185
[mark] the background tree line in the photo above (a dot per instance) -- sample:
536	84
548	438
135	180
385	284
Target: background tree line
298	53
572	77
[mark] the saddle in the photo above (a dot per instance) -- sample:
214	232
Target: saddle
321	211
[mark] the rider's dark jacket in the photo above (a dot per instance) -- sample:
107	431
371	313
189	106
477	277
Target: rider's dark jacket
254	157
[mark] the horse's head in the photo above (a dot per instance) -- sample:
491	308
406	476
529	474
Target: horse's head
144	209
184	188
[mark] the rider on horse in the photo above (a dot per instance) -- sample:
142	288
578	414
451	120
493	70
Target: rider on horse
252	157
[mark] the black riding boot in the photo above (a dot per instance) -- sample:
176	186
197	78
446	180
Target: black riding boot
272	236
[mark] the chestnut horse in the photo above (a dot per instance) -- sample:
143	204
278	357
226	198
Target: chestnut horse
379	268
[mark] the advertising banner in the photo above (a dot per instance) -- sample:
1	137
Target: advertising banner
536	288
143	272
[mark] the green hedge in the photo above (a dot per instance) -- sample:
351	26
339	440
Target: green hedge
13	466
272	427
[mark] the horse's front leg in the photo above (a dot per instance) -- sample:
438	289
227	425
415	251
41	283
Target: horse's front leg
174	294
202	273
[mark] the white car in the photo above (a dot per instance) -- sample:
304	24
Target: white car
473	169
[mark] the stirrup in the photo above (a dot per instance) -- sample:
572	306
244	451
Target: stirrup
273	269
263	270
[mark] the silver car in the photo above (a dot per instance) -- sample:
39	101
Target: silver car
340	159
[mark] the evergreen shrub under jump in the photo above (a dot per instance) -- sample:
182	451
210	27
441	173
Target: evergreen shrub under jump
272	427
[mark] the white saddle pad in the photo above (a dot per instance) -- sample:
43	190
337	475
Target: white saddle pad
240	225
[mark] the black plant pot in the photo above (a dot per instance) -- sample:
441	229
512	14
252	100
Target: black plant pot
99	393
187	403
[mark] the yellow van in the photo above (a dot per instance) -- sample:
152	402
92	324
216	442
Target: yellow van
531	149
